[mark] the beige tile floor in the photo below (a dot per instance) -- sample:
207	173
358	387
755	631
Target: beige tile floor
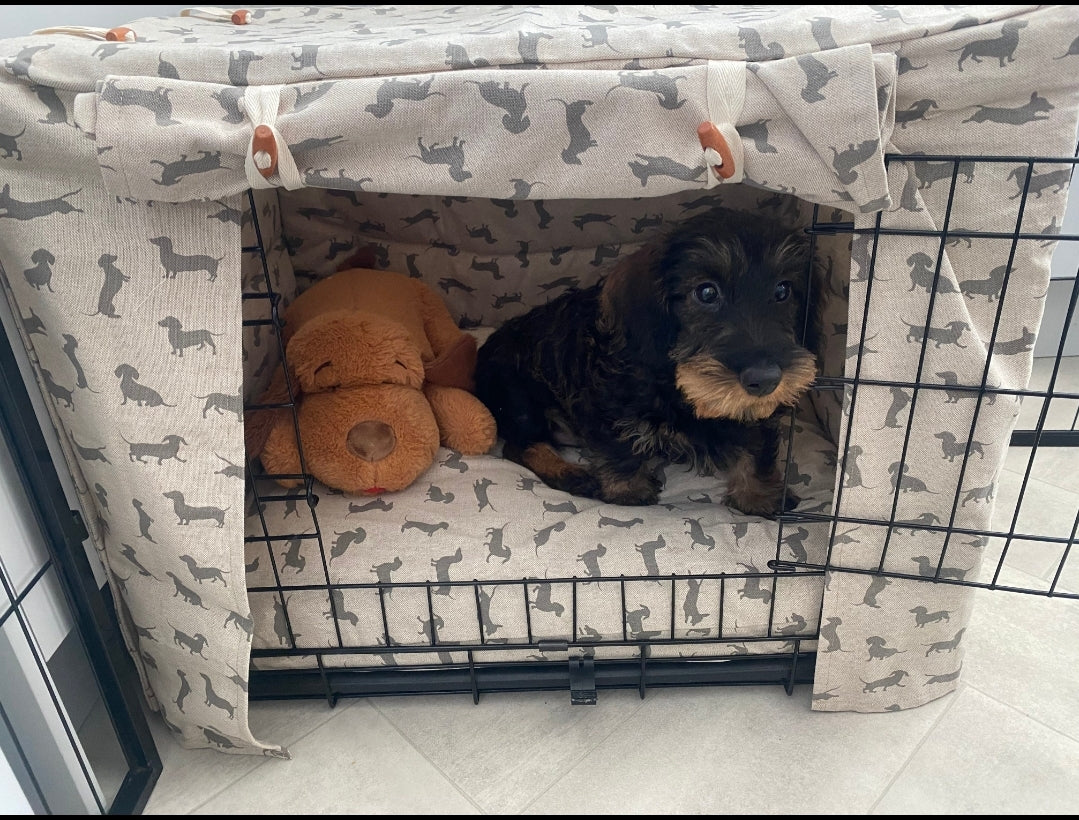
1006	742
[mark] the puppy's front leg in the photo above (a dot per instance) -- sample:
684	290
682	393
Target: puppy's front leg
755	483
625	478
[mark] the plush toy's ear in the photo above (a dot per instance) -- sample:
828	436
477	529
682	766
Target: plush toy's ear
344	348
268	433
454	364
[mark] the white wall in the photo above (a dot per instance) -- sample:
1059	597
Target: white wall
19	20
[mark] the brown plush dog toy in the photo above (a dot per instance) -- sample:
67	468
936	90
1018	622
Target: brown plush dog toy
382	375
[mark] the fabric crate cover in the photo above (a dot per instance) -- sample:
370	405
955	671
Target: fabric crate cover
124	165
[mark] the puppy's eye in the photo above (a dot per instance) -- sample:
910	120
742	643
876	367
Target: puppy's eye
706	293
783	291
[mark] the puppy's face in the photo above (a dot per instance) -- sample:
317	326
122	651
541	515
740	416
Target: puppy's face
729	293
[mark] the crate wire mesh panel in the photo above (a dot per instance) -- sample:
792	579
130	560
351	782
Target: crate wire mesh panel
466	667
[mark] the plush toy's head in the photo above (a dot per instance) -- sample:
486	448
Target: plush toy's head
381	375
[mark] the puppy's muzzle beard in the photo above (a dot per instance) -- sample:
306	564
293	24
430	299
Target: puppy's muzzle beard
756	392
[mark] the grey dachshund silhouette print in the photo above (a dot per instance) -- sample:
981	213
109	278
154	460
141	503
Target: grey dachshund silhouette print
129	553
663	86
976	494
174	263
928	569
172	173
40	275
590	559
821	28
480	487
844	162
851	469
879	649
954	448
185	513
648	551
9	145
134	391
543	535
990	288
110	287
156	101
528	46
923	616
168	447
442	566
242	622
885	683
953	396
945	646
597	36
900	400
757	133
188	595
543	601
483	599
1024	343
509	99
1001	48
950	333
818	75
11	208
384	571
180	339
200	573
646	167
749	40
945	678
338	610
229	100
306	57
239	63
1037	108
923	274
752	587
697	534
580	138
57	112
344	540
635	621
829	632
424	527
91	453
1058	180
495	546
306	98
145	520
222	403
690	612
394	89
917	110
452	156
215	700
908	483
185	690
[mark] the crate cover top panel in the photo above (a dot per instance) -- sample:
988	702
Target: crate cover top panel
106	147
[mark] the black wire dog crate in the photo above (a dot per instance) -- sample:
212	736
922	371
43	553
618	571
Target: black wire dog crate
780	649
502	155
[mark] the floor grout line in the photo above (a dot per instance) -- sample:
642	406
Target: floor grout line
953	697
256	767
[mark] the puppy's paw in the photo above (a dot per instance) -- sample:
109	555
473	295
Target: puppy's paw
638	490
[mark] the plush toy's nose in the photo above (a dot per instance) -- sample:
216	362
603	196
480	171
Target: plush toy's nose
371	440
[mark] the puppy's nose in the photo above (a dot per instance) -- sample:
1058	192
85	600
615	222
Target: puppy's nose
760	379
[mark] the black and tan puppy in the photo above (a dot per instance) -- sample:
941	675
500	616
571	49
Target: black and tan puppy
683	352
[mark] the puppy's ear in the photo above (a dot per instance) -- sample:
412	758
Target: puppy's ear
634	309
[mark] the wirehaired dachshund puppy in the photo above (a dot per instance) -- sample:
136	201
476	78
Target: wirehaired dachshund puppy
687	352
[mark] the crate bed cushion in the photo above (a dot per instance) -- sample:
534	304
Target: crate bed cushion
121	160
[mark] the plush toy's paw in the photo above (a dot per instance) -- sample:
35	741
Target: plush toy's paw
464	422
